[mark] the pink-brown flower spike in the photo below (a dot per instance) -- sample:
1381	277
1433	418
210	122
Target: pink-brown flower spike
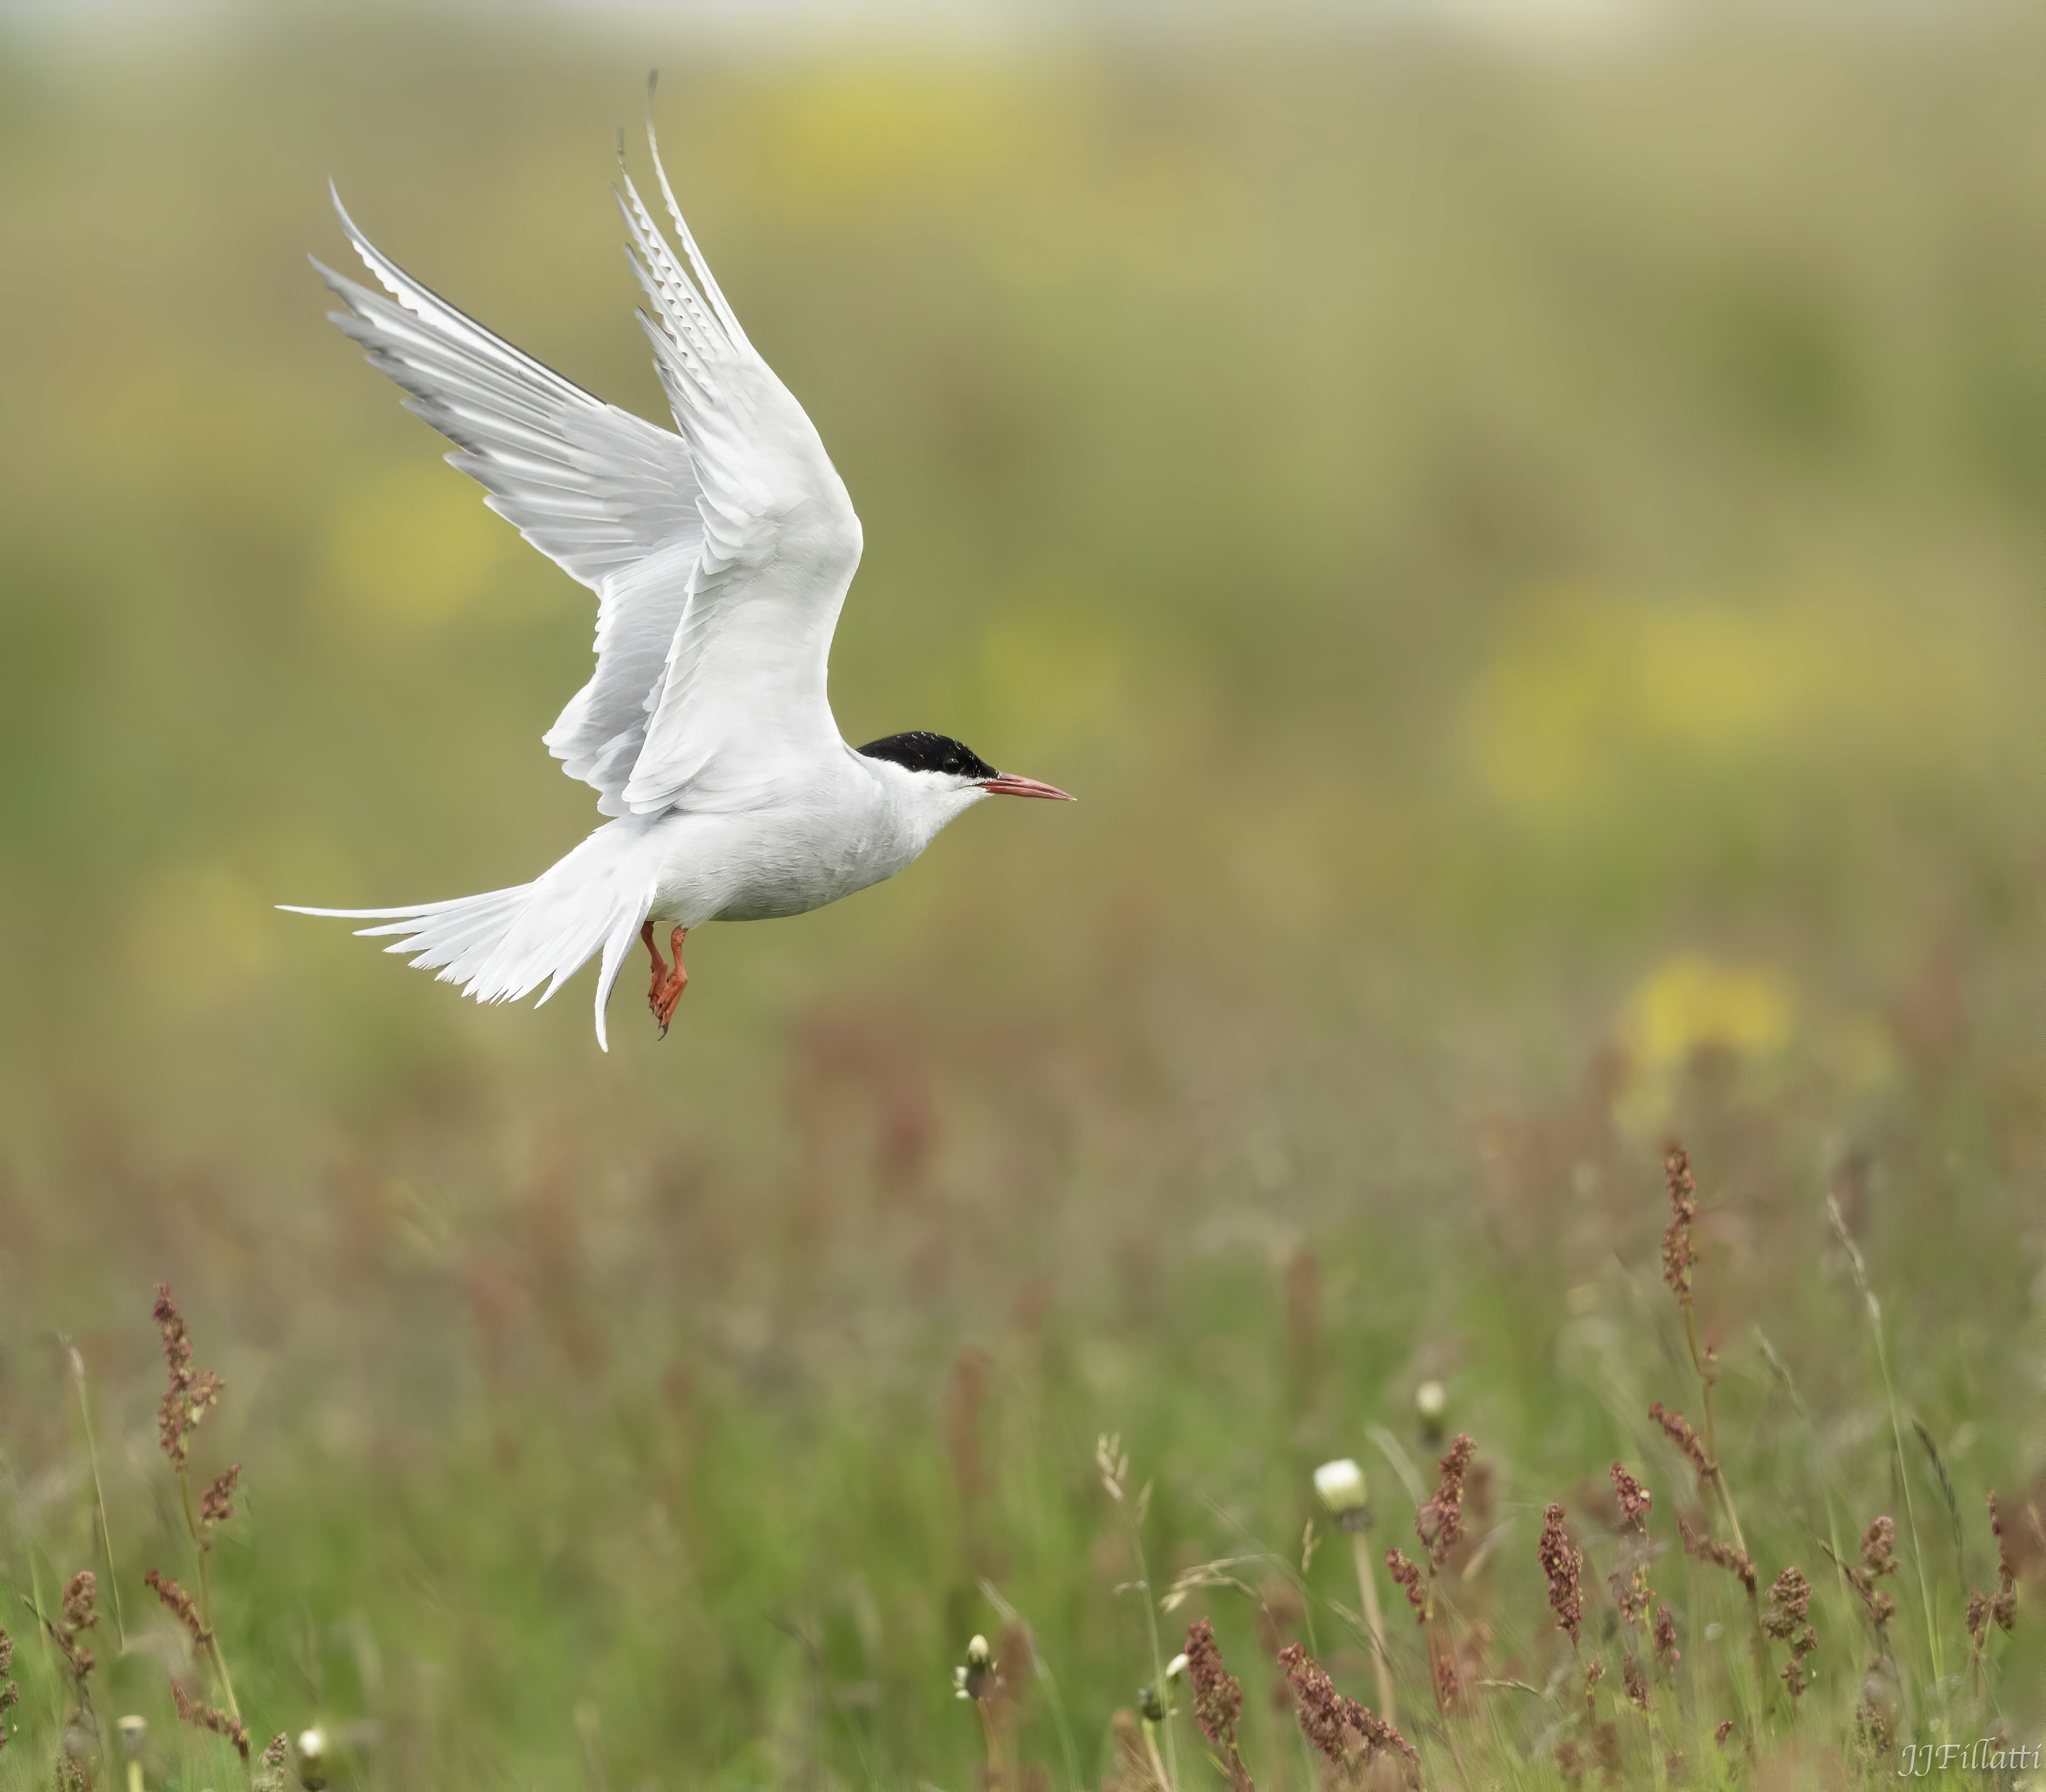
1217	1697
1977	1619
1328	1719
1666	1651
1783	1618
1878	1544
1317	1704
1634	1500
1677	1428
1678	1252
1408	1575
1631	1594
1440	1522
1563	1567
1218	1701
80	1593
180	1604
189	1392
216	1505
1634	1680
10	1694
201	1716
1721	1556
1999	1608
2003	1604
274	1763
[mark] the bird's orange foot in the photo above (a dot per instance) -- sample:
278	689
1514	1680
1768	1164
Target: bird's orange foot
660	968
668	984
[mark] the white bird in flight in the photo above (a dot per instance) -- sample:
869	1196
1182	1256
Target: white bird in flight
720	555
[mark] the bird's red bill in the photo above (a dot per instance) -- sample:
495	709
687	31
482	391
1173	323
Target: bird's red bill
1009	786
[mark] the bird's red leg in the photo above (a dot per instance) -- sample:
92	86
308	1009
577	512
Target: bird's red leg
660	971
671	986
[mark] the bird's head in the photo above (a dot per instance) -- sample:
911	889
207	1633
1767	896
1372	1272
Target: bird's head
944	777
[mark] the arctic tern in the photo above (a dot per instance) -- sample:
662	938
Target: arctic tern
721	554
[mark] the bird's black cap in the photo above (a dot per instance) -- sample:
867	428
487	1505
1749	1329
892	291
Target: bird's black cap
924	751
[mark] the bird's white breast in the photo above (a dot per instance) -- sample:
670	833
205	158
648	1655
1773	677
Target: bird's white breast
838	835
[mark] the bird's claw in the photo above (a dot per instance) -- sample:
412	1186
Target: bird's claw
668	985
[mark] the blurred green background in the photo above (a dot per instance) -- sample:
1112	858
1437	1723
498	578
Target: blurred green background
1530	548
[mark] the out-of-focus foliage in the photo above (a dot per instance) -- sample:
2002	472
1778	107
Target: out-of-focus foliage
1537	570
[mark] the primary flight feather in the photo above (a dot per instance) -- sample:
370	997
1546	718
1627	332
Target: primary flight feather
721	554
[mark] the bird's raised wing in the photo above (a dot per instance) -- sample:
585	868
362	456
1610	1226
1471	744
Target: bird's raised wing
720	557
739	711
607	496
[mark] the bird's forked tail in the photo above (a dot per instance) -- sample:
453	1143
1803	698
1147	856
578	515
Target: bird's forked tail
504	944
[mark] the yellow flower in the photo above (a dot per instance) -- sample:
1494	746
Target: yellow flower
1692	1003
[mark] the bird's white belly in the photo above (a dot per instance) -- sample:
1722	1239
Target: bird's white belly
766	864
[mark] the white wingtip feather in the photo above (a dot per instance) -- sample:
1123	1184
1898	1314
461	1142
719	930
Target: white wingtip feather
726	316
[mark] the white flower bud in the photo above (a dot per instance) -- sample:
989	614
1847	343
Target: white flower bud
1340	1485
973	1679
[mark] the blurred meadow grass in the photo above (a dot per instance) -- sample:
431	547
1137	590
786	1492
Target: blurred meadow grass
1536	566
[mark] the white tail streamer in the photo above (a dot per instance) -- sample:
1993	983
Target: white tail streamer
502	945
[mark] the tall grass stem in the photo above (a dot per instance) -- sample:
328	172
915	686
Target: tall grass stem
1367	1588
98	1488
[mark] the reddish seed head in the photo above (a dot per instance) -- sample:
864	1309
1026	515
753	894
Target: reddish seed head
195	1711
1408	1575
1631	1592
1789	1602
1440	1522
1793	1669
1678	1253
1328	1719
1443	1661
1634	1677
1666	1651
216	1505
79	1596
1563	1567
188	1393
1877	1558
1317	1704
1634	1500
1978	1618
2003	1605
1218	1698
1721	1556
179	1604
79	1593
1677	1428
